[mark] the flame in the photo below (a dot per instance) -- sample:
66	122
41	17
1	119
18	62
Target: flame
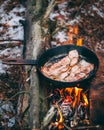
77	93
69	90
76	30
59	123
85	99
73	33
60	114
79	41
76	96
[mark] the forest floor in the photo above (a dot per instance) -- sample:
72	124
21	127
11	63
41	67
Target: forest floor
69	22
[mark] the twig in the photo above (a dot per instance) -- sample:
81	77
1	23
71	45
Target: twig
14	96
67	127
56	30
49	9
81	127
10	44
2	40
79	8
86	127
7	25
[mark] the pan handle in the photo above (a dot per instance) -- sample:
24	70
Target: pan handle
15	61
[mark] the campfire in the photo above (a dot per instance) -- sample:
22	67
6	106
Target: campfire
70	105
71	108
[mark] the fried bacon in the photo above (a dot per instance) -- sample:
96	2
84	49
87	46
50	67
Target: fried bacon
68	69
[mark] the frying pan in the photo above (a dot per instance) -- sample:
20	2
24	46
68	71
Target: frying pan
55	54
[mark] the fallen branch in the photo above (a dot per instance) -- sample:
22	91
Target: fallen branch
2	40
10	44
49	9
18	93
83	1
87	127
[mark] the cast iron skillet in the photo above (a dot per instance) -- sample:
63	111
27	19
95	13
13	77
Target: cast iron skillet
54	54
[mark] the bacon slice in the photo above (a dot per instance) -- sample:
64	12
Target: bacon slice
68	69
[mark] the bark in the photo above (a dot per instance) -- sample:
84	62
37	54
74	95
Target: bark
37	34
32	51
37	49
38	6
35	46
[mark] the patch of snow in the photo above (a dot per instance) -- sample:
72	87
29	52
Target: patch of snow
5	51
53	43
74	21
3	68
16	51
61	36
11	17
64	13
11	122
13	33
1	28
18	9
3	6
98	11
12	52
15	20
63	5
53	15
5	108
